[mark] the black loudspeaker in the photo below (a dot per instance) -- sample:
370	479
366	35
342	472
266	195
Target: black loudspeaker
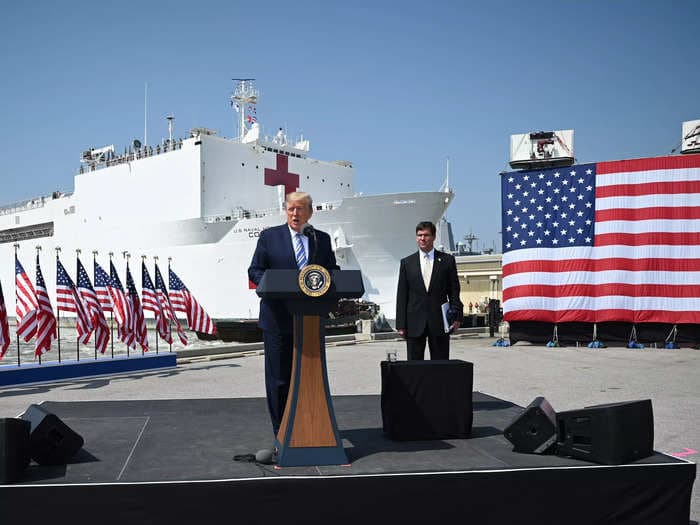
611	434
535	430
14	449
51	441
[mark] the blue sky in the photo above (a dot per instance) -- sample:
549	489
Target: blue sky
396	90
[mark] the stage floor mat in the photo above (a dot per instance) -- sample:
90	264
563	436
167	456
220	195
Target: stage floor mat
186	447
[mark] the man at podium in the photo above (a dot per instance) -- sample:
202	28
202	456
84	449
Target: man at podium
288	246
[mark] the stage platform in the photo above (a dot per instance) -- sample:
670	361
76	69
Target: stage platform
171	461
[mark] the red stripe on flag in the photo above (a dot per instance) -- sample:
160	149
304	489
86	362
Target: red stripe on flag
591	265
648	164
642	214
648	188
645	239
602	290
601	316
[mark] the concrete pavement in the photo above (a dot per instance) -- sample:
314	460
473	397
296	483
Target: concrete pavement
569	377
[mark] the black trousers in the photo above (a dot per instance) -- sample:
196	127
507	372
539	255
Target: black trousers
278	373
439	346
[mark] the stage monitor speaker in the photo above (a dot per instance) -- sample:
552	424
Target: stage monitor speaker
610	434
535	430
14	449
51	441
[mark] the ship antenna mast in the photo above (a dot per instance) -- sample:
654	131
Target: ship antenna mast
244	97
170	119
470	238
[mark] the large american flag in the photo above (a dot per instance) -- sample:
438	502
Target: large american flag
45	320
139	320
68	300
4	326
167	307
94	310
612	241
183	301
26	304
150	303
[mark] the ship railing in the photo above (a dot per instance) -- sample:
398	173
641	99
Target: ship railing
131	155
32	204
23	206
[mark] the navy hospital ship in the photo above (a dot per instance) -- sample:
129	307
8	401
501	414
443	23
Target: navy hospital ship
203	201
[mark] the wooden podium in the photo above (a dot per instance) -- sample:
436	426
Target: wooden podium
309	434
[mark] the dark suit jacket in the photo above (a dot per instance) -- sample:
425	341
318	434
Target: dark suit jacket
416	307
275	251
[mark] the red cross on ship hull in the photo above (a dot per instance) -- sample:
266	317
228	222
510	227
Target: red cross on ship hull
281	175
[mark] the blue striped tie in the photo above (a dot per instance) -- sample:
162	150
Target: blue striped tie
299	251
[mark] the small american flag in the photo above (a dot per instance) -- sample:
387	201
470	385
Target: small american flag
122	308
119	302
177	292
102	283
140	330
26	303
183	301
4	326
45	320
166	306
92	306
68	300
151	304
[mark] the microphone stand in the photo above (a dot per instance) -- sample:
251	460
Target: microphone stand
313	252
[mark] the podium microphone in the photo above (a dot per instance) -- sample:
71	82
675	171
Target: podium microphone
308	231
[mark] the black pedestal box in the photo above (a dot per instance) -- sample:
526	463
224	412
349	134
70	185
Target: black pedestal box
424	400
14	449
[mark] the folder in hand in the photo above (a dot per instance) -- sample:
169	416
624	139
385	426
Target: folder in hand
445	307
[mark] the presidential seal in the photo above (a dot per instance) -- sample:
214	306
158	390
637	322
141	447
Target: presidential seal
314	280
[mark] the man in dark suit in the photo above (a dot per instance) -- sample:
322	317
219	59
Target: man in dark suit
284	247
427	280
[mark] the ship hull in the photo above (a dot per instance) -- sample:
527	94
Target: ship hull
369	233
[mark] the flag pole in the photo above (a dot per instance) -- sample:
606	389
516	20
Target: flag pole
143	263
111	318
38	249
126	256
170	345
94	256
19	362
58	317
170	259
78	251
